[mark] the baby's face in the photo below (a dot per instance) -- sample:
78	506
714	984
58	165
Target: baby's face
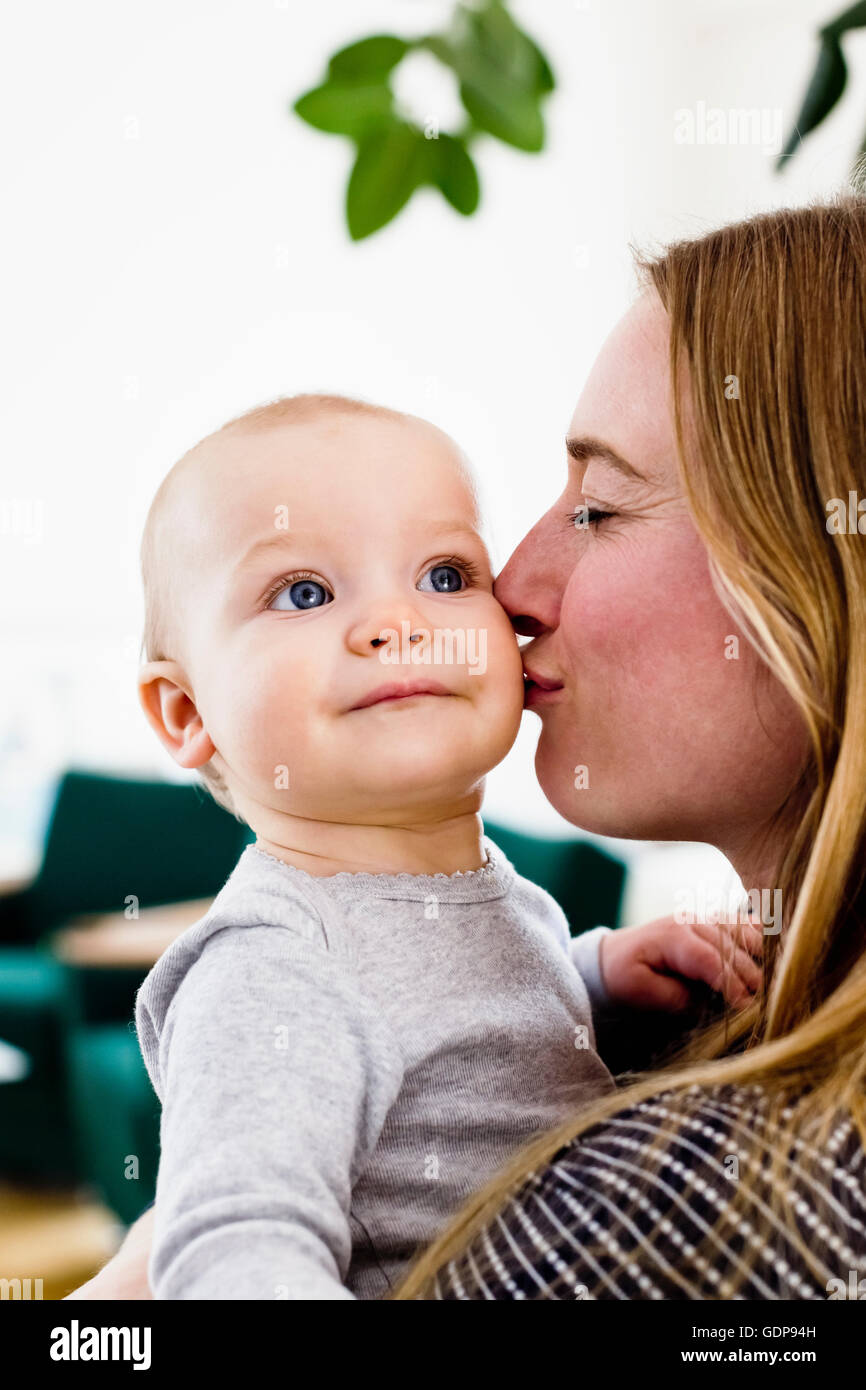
303	545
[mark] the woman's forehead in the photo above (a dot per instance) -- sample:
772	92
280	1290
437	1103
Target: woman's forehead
626	403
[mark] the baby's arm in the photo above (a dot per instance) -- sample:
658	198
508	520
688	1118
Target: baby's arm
656	964
277	1078
585	952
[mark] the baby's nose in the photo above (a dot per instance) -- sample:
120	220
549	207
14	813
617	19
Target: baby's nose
413	637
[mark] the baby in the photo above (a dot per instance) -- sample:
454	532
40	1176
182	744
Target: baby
377	1010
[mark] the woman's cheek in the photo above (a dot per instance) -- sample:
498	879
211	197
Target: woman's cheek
645	643
612	618
646	606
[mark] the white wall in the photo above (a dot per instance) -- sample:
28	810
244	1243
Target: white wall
174	252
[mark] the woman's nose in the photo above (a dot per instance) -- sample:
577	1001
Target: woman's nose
530	586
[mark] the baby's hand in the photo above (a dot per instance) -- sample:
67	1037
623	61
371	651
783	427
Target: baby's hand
640	965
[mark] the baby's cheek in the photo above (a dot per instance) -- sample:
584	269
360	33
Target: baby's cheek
256	719
503	668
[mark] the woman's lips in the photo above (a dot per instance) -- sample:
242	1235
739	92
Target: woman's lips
539	689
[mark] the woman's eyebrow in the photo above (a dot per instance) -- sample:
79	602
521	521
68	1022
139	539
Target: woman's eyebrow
583	447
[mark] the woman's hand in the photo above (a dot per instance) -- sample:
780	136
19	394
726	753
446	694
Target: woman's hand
649	966
125	1275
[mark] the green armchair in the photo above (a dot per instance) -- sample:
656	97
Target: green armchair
81	1099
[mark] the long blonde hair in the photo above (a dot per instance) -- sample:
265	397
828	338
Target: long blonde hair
768	338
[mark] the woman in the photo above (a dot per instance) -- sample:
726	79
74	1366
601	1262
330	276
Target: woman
699	672
739	1169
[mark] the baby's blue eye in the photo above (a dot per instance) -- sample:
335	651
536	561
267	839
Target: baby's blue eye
441	576
304	593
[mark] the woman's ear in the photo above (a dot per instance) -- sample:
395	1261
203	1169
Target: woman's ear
165	695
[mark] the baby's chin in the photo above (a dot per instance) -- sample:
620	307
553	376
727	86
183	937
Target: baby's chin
437	733
393	768
419	770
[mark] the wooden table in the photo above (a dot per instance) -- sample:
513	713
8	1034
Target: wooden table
14	883
112	940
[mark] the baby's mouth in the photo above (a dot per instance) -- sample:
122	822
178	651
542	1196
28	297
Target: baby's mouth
395	690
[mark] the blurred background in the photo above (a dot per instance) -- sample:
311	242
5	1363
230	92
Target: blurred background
177	251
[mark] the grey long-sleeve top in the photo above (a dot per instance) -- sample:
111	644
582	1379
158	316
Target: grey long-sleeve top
341	1061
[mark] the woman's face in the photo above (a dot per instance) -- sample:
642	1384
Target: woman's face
667	725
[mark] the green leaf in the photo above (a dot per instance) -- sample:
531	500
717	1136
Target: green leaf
452	170
501	43
498	101
346	108
389	167
441	48
852	18
545	81
470	49
507	112
368	59
824	90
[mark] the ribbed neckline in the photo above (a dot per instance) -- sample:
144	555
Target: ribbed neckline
490	880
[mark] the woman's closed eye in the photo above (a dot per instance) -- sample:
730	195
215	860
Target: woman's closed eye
303	590
586	517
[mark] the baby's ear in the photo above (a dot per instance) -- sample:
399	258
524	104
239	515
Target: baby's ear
165	695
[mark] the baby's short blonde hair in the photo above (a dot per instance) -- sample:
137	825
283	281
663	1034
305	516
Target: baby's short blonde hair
162	639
